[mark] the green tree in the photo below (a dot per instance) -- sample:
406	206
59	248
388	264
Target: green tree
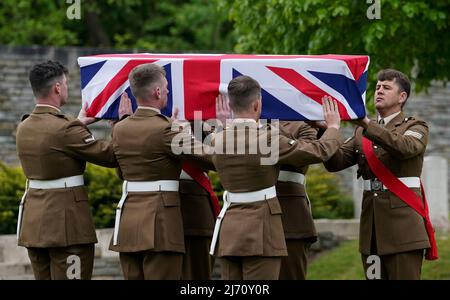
171	25
411	36
25	22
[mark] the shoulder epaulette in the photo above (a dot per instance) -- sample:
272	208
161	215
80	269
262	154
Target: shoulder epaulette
164	117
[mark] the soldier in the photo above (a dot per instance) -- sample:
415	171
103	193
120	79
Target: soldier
199	217
148	232
249	228
298	223
389	227
55	222
199	208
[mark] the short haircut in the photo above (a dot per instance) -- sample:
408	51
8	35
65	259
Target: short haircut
398	77
143	78
242	91
43	75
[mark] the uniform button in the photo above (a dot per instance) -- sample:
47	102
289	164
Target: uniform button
375	195
375	147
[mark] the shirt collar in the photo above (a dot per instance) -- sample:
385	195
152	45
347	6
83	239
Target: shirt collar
244	120
48	105
150	108
388	118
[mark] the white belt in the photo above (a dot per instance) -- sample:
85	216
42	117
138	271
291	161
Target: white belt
57	183
140	186
65	182
376	185
288	176
229	198
186	176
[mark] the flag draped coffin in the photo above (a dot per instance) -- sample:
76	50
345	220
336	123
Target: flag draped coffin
292	85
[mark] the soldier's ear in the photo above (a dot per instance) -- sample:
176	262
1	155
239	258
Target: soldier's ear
158	92
57	87
403	97
255	106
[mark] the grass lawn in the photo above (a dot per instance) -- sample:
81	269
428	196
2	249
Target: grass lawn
344	262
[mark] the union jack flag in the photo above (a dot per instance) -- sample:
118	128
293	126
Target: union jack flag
292	85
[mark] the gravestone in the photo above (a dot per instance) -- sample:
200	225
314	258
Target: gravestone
434	179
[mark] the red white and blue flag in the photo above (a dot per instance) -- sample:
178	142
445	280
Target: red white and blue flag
292	85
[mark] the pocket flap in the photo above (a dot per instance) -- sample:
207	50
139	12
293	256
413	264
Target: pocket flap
80	193
274	206
170	199
397	202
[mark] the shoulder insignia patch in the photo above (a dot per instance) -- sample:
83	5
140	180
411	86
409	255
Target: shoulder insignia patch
414	134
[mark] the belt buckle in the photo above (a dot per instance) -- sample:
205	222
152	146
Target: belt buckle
376	185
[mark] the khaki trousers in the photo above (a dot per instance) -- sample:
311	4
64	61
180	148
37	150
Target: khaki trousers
399	266
151	265
62	263
250	267
197	262
294	266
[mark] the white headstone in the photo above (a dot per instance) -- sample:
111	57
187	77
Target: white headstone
434	179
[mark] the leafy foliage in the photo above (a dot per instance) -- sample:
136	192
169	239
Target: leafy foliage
410	36
172	25
12	186
327	199
105	190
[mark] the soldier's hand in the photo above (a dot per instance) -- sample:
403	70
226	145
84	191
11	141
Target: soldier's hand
223	110
331	112
175	113
363	122
82	116
125	107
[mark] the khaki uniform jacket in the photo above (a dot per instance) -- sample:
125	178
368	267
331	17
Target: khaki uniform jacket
400	146
255	229
51	145
297	217
150	220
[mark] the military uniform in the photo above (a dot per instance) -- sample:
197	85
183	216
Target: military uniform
250	232
390	228
150	236
198	224
57	222
298	223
